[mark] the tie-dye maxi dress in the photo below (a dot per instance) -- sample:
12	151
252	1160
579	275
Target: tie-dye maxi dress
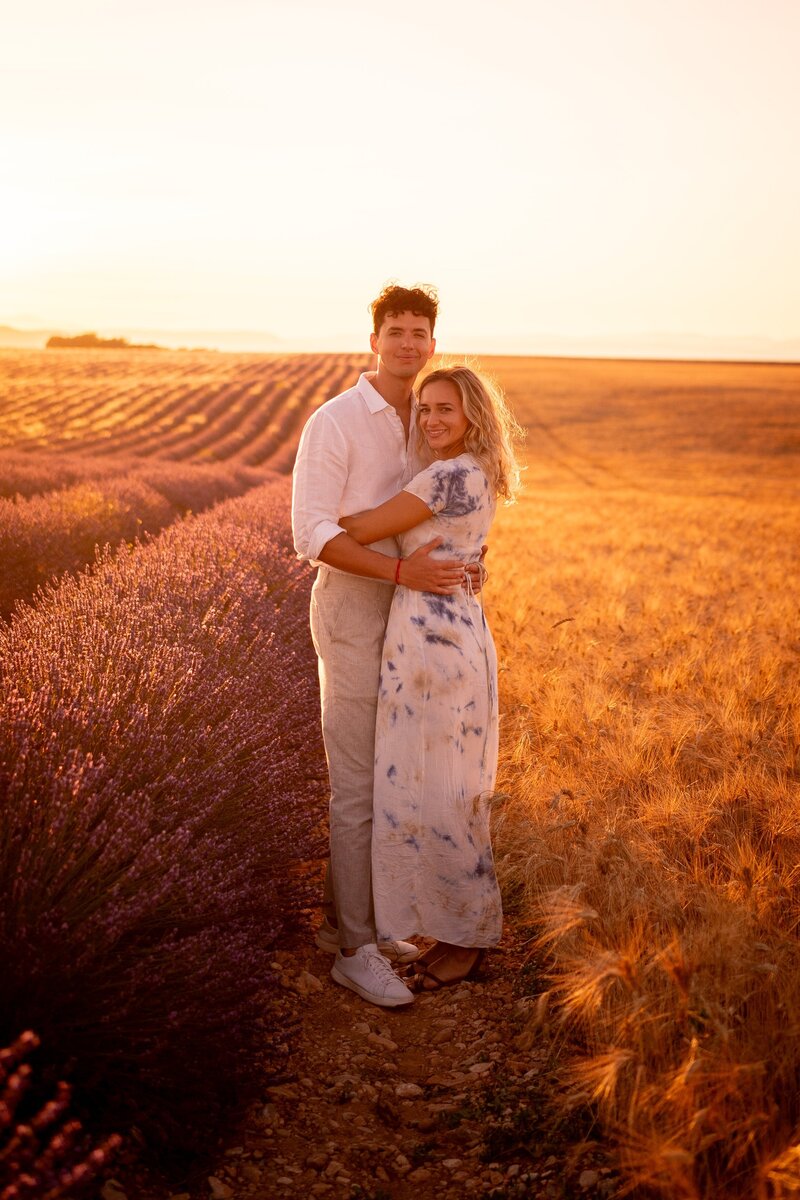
436	735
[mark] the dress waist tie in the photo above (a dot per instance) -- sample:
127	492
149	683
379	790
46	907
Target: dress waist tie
471	595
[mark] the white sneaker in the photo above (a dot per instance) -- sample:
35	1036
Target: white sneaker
368	973
327	938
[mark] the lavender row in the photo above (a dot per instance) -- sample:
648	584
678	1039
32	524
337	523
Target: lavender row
25	473
160	777
46	535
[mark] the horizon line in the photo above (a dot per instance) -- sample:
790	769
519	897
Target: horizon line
654	347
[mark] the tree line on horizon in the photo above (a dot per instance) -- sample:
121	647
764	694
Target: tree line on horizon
90	341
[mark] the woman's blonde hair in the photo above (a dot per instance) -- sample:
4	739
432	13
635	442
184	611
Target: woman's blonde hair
493	428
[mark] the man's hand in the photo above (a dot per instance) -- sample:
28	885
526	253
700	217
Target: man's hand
425	574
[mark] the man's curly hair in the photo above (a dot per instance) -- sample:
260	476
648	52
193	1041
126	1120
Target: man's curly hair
422	301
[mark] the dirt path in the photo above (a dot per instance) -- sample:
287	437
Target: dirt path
442	1099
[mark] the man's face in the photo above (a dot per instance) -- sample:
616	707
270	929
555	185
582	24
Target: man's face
404	343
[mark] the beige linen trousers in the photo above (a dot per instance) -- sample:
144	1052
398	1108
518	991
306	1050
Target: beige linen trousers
348	623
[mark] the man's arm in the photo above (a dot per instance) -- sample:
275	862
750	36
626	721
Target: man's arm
419	571
318	483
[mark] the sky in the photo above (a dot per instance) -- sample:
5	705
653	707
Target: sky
574	174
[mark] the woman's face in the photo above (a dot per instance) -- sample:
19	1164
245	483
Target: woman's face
441	418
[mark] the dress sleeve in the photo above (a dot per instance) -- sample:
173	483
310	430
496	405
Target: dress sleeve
446	487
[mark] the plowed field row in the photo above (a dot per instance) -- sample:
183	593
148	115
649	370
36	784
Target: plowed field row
185	406
97	448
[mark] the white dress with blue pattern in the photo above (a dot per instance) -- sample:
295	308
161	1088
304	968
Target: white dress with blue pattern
436	735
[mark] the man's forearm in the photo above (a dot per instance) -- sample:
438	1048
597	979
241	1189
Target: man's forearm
346	554
420	571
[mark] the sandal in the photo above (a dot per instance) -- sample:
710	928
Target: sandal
425	960
417	980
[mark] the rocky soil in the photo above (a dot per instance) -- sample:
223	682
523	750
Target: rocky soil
447	1098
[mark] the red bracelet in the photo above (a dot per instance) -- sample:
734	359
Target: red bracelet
397	571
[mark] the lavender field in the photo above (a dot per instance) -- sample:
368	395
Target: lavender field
161	774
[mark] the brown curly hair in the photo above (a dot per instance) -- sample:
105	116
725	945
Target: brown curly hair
422	301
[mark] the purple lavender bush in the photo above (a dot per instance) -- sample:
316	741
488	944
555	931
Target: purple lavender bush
160	776
43	1154
193	486
187	485
26	473
46	535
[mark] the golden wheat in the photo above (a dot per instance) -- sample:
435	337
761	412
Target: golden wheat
647	635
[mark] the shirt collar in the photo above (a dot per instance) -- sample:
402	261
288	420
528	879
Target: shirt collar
373	399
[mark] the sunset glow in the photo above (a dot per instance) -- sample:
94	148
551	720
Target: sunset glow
570	177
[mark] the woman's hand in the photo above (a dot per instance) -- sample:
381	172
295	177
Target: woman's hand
477	571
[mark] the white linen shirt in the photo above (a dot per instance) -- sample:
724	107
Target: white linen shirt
352	456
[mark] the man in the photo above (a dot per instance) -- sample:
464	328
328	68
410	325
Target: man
357	451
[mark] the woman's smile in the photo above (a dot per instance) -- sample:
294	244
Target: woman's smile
441	418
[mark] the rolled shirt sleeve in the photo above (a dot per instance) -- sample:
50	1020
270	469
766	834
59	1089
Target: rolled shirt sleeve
320	475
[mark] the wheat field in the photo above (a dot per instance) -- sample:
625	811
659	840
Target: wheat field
644	599
643	594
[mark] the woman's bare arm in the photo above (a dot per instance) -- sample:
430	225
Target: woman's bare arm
404	511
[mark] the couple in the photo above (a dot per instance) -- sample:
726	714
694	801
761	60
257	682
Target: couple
407	668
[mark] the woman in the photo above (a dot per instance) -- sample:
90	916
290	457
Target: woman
436	732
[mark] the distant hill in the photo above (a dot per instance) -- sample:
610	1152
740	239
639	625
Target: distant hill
24	339
90	341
